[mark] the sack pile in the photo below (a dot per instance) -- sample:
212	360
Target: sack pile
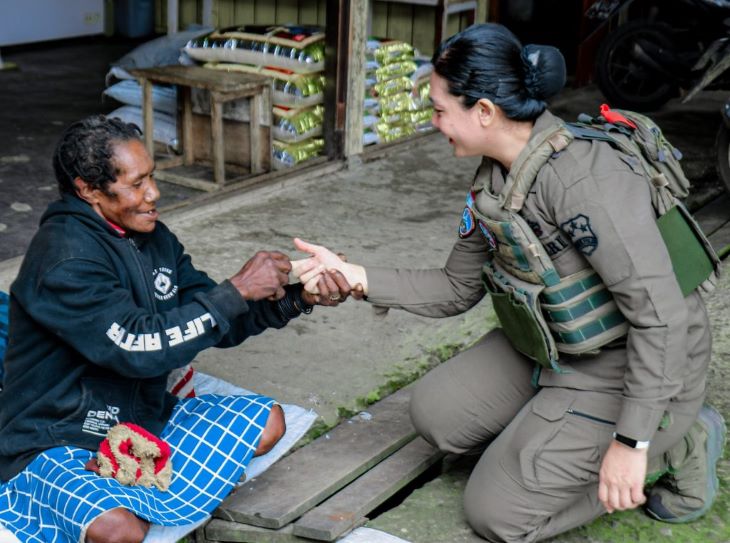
396	91
294	57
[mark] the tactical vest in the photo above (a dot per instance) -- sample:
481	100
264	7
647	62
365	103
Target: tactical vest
541	313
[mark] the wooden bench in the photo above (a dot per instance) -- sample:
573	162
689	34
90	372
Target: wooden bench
222	87
328	487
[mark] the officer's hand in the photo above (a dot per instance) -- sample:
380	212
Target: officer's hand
621	478
322	259
263	276
332	289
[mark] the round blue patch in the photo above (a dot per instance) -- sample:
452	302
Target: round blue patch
468	224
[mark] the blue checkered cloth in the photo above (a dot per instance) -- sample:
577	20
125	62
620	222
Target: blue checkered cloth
212	438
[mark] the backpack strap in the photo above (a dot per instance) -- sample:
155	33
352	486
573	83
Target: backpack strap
523	172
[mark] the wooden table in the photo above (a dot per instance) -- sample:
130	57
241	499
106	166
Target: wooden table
223	87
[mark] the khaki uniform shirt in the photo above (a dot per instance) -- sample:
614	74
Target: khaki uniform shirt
590	206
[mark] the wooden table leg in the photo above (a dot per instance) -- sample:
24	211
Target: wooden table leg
148	117
187	125
256	104
216	133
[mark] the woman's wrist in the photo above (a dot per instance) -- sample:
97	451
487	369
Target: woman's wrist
355	275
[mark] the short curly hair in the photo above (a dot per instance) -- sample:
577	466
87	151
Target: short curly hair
86	150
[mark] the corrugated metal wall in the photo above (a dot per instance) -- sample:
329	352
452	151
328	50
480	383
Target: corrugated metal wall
413	24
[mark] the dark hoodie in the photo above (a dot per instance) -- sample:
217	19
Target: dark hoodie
97	321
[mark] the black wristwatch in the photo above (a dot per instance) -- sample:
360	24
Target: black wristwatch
633	443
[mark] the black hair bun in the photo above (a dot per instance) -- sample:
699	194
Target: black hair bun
544	70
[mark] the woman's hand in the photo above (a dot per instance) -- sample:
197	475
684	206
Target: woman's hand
621	478
310	270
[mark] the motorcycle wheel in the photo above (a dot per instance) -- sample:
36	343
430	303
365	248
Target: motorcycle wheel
722	146
626	82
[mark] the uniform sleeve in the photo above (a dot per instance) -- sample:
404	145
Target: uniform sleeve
439	292
83	303
607	214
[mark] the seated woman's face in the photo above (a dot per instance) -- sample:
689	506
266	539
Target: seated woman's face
460	125
130	201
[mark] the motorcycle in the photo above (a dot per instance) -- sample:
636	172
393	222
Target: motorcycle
714	65
645	62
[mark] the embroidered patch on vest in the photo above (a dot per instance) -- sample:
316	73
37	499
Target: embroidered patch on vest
581	234
468	224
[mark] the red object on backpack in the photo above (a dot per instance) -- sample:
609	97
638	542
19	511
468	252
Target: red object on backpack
615	117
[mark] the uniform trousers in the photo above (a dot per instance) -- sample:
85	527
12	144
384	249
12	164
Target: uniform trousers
541	449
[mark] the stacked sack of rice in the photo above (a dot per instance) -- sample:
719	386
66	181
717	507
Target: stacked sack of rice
294	57
396	91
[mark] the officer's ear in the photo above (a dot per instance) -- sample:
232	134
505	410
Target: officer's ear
486	111
85	191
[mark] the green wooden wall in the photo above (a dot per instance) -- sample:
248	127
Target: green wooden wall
413	24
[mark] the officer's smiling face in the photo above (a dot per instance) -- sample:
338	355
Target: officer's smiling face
459	124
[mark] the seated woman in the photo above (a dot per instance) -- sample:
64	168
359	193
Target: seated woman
105	305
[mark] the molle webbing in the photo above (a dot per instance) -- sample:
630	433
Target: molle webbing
581	313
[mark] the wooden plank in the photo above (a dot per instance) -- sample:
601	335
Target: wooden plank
714	215
186	118
217	142
223	530
308	12
287	12
424	28
305	478
264	12
341	512
255	107
185	181
400	22
199	77
379	21
356	79
226	10
148	118
245	12
322	13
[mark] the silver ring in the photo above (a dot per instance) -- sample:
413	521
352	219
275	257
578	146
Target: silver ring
334	297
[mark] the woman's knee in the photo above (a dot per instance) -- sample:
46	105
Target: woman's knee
273	431
423	410
117	526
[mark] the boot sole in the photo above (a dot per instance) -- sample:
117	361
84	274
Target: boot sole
711	418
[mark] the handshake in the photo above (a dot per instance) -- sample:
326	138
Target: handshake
327	278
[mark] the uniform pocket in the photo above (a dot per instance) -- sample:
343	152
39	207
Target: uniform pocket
560	451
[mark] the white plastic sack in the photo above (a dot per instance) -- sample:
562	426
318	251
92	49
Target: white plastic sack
129	92
165	126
